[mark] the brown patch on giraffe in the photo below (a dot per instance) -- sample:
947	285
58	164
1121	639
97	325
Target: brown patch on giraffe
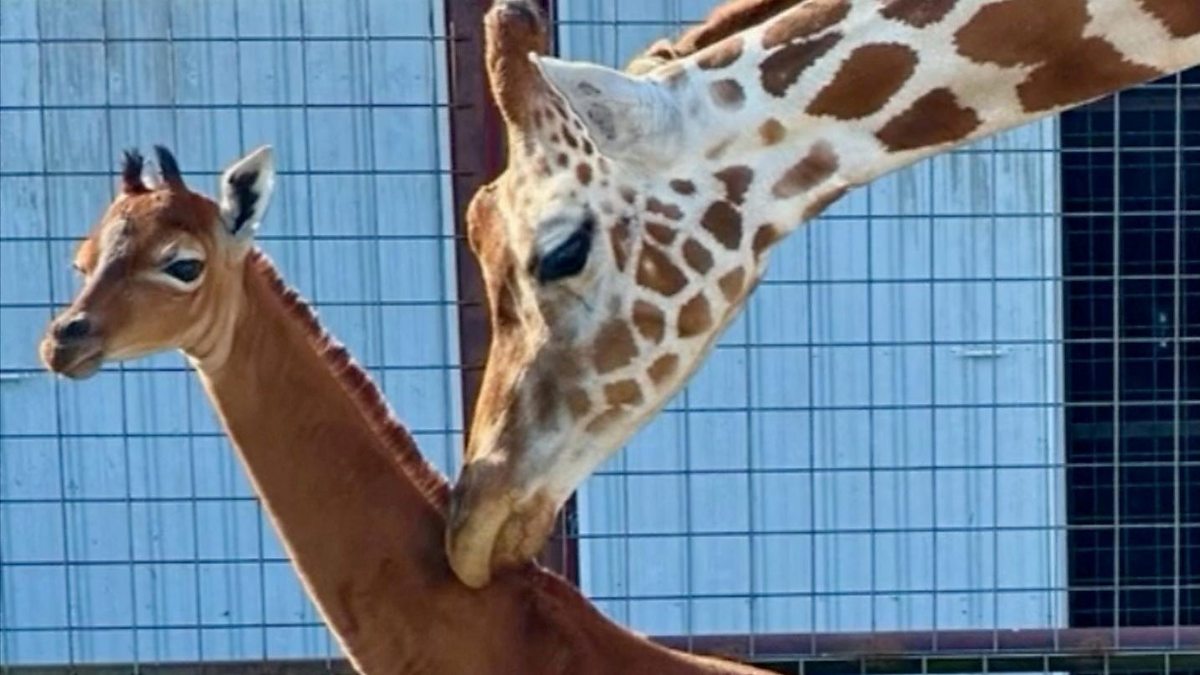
668	211
578	403
628	194
683	187
663	367
1070	68
727	93
809	18
537	119
623	393
663	234
697	256
618	237
772	131
819	164
724	222
605	420
917	13
866	80
721	54
695	317
1059	83
933	119
717	150
583	172
614	346
649	320
732	284
570	139
737	180
763	238
588	149
562	160
1182	19
656	272
781	69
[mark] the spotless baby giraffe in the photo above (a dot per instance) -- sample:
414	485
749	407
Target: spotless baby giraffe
359	510
638	209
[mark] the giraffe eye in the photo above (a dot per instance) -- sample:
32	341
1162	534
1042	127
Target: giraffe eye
568	258
187	270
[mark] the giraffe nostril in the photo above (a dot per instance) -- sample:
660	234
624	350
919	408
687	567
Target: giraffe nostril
76	328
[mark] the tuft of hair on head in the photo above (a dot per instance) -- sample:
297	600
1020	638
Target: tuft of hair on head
132	165
168	168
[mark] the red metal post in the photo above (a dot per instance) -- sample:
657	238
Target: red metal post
477	155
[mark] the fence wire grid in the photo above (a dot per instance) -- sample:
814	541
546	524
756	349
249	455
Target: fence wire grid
957	428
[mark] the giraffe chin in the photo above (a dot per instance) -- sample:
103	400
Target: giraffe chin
496	533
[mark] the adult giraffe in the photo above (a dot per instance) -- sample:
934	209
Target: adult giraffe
637	210
359	510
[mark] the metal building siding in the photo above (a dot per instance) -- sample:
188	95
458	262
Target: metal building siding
131	465
849	459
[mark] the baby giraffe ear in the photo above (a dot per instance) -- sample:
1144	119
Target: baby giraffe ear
626	116
246	190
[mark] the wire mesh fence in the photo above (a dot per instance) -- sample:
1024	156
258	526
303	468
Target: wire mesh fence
962	402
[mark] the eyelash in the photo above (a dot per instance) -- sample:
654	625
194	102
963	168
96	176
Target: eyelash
568	258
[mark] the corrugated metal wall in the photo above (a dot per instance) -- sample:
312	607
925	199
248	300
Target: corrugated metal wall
127	529
875	444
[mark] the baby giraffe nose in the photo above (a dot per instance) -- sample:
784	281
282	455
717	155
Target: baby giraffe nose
74	328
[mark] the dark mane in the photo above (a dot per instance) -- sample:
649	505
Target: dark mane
729	18
359	385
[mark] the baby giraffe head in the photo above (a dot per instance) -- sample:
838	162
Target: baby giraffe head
161	268
613	254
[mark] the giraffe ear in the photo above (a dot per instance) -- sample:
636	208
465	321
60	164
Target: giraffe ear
246	190
626	116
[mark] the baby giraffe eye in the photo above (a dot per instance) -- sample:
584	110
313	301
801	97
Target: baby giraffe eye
568	258
186	271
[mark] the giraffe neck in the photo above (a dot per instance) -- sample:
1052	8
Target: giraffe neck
361	517
831	94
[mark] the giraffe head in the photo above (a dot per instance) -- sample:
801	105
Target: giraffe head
612	257
161	267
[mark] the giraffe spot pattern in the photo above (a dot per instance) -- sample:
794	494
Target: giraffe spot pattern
917	13
866	81
583	172
728	94
763	238
782	68
614	347
656	272
697	256
628	194
570	138
623	393
1068	67
809	18
1182	19
649	321
819	164
668	211
695	317
732	283
933	119
772	131
578	403
721	54
724	222
660	233
683	187
618	237
737	180
663	368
